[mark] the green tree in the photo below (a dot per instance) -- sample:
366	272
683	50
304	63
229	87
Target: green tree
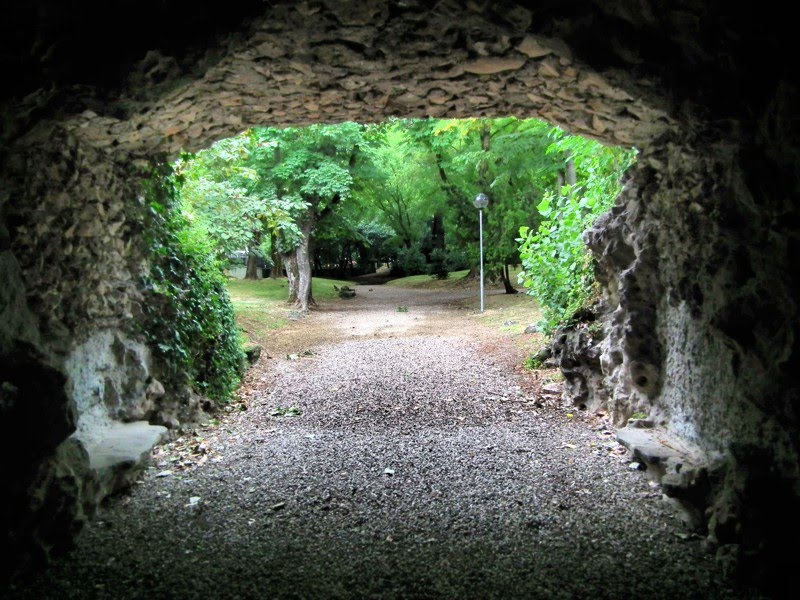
310	168
503	158
398	179
227	195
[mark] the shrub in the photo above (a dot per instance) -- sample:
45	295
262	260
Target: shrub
531	362
438	267
410	261
188	317
556	267
457	260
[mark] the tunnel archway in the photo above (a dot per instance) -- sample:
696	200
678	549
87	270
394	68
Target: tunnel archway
697	260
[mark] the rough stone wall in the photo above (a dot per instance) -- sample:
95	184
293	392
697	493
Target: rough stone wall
71	361
18	322
71	233
701	333
110	380
74	219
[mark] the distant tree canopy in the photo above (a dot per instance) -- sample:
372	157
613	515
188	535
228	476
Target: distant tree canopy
343	199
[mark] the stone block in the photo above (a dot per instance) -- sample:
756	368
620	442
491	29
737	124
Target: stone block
120	453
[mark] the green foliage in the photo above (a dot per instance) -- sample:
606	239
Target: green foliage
402	309
506	159
457	260
288	411
394	192
396	179
531	362
310	163
556	267
187	315
410	261
227	195
438	266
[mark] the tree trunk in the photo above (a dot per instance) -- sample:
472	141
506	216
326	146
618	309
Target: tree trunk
251	272
437	231
252	266
572	177
312	250
510	289
275	271
304	299
290	264
486	138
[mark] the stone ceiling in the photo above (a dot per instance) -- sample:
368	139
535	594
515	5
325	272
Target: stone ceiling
302	63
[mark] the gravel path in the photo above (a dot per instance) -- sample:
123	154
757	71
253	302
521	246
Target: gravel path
418	468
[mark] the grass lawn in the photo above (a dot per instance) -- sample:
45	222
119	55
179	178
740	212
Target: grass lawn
426	282
260	305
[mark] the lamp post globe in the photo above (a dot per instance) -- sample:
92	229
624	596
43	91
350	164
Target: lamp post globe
480	202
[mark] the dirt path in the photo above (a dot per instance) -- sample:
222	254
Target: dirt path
419	467
378	312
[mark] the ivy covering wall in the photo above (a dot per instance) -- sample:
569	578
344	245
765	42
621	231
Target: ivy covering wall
188	317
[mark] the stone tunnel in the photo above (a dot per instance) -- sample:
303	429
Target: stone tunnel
698	259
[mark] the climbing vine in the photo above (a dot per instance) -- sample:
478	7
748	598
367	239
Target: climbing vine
556	267
188	317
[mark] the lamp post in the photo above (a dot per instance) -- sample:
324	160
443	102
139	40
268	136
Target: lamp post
480	202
